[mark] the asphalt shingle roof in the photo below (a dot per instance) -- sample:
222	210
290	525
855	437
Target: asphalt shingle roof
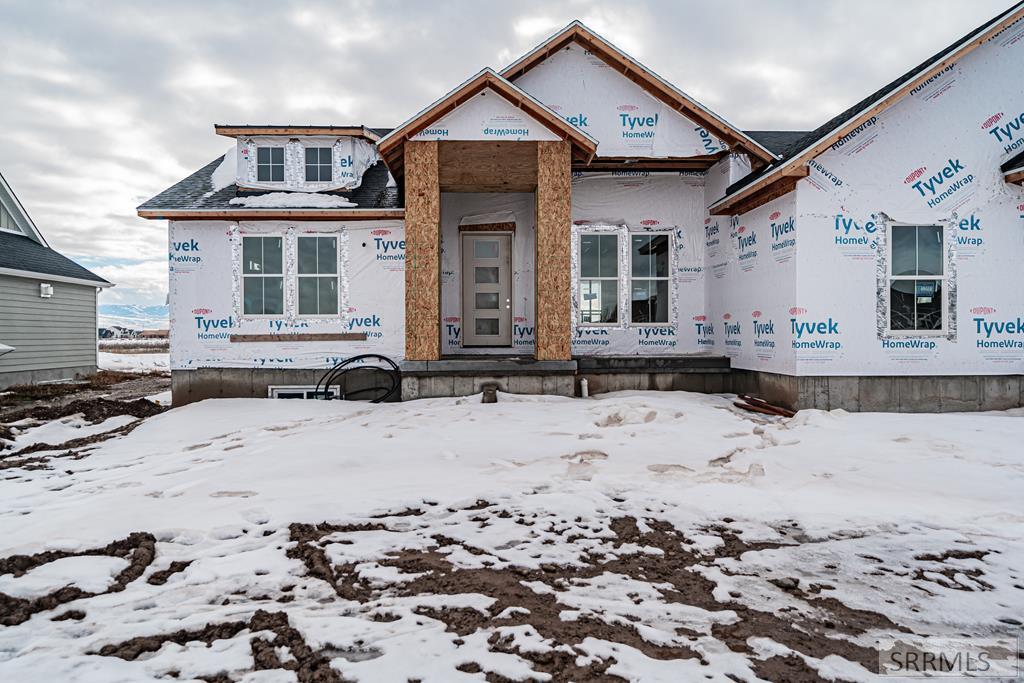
835	122
777	141
19	252
194	192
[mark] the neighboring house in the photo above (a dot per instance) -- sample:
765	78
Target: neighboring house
579	214
47	304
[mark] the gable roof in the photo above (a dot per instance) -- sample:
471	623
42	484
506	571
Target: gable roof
578	33
779	142
12	205
22	256
791	167
391	146
194	197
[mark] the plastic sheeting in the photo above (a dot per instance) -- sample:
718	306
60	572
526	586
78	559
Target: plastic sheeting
622	116
350	157
931	159
486	116
205	298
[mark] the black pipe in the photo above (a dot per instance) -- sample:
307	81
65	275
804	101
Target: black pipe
392	374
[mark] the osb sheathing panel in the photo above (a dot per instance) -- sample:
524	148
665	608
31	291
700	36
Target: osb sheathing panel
422	252
554	218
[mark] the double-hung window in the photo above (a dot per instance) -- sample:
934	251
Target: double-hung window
917	278
270	164
318	164
599	278
318	275
262	276
648	284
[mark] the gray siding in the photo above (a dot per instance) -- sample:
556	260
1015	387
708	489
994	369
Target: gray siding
48	334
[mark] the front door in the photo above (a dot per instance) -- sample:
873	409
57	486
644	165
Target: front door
486	289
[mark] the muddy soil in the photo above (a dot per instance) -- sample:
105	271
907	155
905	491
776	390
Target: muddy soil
107	384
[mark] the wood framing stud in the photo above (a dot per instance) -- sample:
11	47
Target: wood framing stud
423	252
1015	177
554	220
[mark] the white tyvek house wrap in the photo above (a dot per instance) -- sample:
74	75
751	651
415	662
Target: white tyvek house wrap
205	303
350	158
632	202
967	120
486	116
619	114
469	208
751	278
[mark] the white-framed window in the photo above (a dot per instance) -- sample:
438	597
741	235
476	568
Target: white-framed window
599	278
649	278
318	164
317	275
262	275
270	164
917	279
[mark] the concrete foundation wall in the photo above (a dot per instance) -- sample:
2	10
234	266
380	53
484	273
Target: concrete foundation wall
918	394
9	379
855	394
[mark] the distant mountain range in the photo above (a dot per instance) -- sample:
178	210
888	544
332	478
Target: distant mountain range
132	316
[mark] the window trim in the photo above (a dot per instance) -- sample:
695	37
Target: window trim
667	278
318	165
337	277
889	278
617	279
283	275
284	164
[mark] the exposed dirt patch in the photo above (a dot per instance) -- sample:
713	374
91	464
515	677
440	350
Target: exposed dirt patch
138	548
309	665
159	578
818	631
108	384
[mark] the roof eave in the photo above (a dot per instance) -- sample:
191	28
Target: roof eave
236	131
35	275
799	160
294	212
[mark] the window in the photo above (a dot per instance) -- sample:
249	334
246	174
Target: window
599	278
648	285
916	279
318	164
270	164
262	276
318	275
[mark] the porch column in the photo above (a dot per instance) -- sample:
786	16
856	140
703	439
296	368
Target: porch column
422	252
554	219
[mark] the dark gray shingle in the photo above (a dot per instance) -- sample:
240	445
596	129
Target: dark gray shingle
195	192
19	252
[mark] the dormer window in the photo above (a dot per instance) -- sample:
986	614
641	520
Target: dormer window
318	165
270	164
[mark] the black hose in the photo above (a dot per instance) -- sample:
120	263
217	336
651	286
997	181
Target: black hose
392	374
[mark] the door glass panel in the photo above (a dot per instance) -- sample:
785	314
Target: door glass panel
487	300
486	275
485	248
487	326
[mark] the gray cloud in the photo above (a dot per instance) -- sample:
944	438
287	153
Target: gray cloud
107	103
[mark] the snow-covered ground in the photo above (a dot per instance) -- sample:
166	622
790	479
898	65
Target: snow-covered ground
644	536
135	362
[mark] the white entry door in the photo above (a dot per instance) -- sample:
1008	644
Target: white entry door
486	289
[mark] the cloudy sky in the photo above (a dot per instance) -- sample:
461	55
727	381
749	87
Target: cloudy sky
104	104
